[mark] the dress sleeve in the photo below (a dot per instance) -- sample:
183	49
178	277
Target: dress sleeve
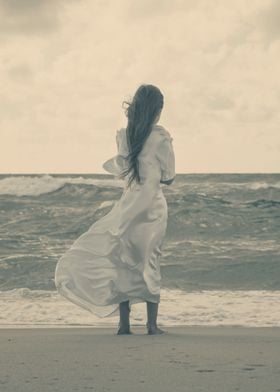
121	145
117	163
165	155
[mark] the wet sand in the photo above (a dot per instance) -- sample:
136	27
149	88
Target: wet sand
220	359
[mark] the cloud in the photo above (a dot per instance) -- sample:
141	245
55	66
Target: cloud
21	72
29	16
62	93
220	102
148	9
269	21
19	6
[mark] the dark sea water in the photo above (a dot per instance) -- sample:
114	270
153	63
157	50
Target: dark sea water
223	229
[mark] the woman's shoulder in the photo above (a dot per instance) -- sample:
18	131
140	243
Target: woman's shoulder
162	131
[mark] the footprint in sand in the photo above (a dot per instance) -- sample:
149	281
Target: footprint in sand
255	364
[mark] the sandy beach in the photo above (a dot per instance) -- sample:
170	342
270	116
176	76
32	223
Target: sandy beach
184	359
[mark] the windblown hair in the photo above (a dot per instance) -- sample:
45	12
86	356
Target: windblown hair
141	113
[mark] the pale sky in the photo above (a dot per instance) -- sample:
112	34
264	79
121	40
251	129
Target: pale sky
67	65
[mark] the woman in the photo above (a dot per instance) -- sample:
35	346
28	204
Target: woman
116	262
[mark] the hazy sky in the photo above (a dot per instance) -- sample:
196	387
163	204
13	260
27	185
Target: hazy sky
67	65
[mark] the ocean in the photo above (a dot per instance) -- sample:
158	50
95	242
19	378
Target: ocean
221	254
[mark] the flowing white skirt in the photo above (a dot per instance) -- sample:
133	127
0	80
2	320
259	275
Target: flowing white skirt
117	259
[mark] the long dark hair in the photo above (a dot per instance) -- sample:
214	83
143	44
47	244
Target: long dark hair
141	113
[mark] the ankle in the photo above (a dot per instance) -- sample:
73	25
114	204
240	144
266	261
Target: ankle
124	324
151	325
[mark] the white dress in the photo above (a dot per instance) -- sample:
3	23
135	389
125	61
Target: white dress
117	259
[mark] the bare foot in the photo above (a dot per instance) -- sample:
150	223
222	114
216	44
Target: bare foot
155	331
124	331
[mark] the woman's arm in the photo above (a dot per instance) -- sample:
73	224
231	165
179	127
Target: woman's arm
165	155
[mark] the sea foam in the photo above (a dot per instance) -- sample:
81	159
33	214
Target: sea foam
39	308
38	185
